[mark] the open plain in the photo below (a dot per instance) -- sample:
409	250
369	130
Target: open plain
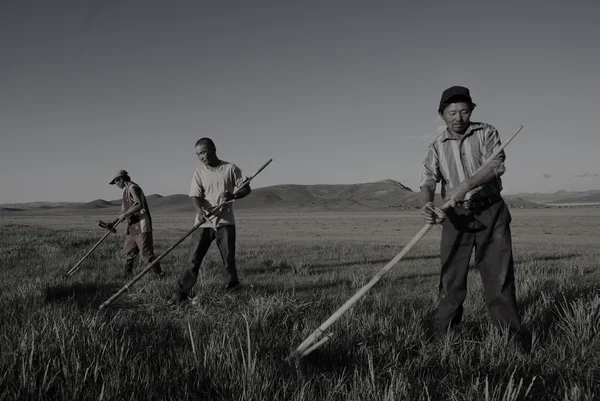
296	270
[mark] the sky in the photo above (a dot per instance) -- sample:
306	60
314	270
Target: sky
335	92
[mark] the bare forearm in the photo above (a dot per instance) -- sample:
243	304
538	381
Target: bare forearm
243	192
483	176
427	194
197	204
136	207
200	204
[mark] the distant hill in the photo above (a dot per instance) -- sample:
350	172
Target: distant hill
96	204
561	196
372	195
364	196
11	209
516	202
149	198
380	195
594	198
386	194
38	205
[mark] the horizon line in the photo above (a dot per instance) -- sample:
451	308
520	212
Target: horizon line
301	185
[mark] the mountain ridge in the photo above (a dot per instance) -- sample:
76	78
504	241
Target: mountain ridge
384	194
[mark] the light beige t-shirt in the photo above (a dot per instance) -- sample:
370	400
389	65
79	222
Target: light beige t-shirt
209	183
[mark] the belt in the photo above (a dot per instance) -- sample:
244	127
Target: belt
481	203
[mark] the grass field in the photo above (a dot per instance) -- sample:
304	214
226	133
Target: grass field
296	271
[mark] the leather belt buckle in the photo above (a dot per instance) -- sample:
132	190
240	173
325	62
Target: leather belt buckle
480	203
468	204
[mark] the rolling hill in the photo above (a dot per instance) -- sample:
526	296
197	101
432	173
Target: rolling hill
96	204
555	197
380	195
38	205
594	198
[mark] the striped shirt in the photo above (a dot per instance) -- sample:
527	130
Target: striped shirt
451	159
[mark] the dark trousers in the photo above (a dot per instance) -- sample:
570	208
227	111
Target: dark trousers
488	231
139	243
201	240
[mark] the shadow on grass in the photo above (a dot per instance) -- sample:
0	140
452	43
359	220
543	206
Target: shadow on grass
337	285
270	289
349	352
324	360
152	332
548	258
203	388
440	380
401	279
327	266
371	262
436	378
543	323
83	295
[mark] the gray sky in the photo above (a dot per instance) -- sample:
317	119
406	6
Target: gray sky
334	92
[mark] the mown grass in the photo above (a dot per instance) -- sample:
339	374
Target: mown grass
296	271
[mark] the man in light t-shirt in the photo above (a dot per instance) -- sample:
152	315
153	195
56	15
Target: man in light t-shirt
214	182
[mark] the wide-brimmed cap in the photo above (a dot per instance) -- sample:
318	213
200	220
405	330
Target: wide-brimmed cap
119	173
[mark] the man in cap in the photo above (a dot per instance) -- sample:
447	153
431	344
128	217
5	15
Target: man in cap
134	209
214	182
479	218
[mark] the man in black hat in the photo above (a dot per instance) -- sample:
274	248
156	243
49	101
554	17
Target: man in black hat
134	209
479	217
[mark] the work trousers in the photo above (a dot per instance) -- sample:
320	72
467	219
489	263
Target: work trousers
488	231
139	243
201	241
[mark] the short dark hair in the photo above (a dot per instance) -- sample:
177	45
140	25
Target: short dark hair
125	178
206	141
456	99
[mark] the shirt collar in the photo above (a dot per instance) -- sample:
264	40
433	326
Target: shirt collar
446	135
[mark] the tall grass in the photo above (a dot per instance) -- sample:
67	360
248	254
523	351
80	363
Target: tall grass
56	345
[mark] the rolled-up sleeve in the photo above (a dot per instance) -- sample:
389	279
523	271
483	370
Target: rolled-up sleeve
196	189
490	144
430	174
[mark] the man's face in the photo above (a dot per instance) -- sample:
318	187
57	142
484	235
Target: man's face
457	117
206	154
119	182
